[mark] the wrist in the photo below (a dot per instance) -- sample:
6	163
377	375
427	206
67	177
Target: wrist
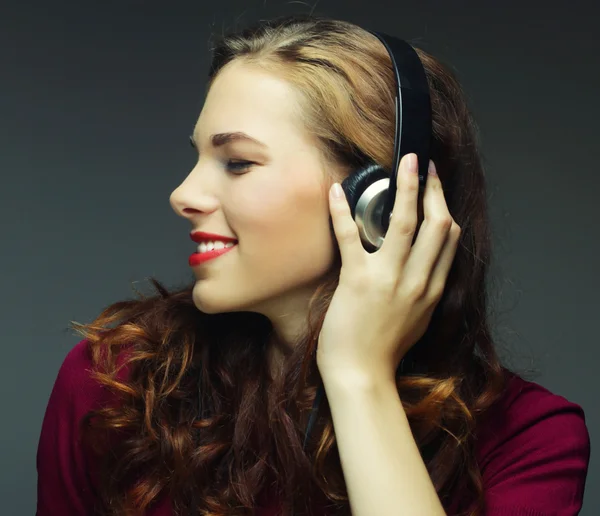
352	379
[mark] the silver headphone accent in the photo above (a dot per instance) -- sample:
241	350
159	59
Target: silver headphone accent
369	210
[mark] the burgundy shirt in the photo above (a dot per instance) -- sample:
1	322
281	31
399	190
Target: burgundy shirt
533	449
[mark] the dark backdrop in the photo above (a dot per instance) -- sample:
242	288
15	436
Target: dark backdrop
96	103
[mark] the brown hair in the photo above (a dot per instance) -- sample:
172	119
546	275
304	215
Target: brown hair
249	433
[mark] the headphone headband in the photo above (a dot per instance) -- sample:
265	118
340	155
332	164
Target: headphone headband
413	114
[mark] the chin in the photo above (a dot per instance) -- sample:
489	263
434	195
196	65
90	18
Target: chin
209	303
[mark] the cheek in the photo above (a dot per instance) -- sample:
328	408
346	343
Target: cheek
284	224
268	207
256	212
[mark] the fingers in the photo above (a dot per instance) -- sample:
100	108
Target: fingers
435	247
398	239
345	229
426	262
442	267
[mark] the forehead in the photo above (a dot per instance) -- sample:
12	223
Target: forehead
245	98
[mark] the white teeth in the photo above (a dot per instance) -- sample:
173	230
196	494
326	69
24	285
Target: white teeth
209	246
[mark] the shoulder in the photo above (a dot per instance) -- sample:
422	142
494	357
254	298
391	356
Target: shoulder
76	366
527	411
64	483
66	476
75	381
76	392
533	448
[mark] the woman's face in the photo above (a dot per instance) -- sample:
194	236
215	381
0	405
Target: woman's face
277	208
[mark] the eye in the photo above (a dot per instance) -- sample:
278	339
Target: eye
239	167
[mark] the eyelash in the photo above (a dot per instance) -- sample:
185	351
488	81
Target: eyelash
232	164
239	167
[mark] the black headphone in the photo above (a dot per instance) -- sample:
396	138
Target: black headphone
369	189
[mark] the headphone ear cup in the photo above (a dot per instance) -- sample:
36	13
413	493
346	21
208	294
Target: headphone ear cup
354	186
359	180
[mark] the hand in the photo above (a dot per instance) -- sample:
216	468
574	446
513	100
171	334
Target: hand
384	300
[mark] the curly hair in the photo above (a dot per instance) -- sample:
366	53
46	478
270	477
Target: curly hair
196	416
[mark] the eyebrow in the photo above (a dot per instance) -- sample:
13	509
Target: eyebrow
221	139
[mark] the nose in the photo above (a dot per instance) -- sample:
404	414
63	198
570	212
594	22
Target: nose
193	196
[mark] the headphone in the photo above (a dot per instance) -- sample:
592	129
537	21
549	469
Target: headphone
369	189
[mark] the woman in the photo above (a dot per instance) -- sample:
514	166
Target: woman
197	401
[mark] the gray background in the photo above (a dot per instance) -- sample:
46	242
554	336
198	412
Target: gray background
97	100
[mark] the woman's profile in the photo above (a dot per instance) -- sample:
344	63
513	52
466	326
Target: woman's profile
197	400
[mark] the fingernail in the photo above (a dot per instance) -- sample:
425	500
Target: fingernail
431	169
337	191
411	163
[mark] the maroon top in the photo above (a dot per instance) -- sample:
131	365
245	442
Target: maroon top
534	450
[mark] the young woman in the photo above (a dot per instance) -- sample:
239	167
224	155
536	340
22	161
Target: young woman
198	401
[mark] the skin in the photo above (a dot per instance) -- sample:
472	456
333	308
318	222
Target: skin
277	209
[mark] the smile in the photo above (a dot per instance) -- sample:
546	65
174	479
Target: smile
205	254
